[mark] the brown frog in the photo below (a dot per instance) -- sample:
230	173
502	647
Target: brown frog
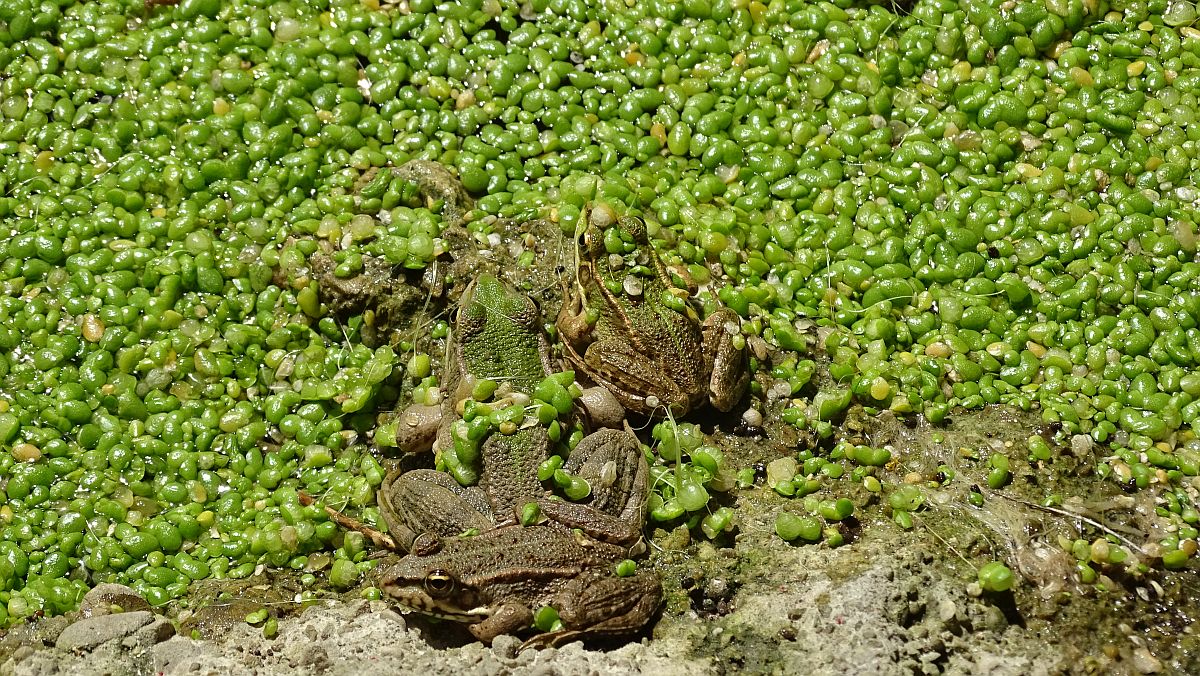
425	501
629	327
495	581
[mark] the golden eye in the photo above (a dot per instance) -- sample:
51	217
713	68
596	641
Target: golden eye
593	241
439	583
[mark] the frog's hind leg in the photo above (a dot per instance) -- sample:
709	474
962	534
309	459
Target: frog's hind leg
640	373
599	604
726	363
424	501
612	463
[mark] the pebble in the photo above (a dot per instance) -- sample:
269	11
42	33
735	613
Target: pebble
93	631
1145	662
505	646
947	610
101	599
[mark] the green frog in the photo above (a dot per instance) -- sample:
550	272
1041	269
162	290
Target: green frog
634	331
495	581
498	336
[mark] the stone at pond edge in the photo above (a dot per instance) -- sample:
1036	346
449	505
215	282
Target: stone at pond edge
93	631
154	633
101	599
505	646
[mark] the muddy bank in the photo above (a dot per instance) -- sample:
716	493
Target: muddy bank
890	601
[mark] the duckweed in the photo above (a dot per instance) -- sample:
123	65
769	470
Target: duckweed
995	577
791	527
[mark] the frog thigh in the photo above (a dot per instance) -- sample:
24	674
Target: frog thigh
617	510
428	501
730	372
602	604
641	375
624	493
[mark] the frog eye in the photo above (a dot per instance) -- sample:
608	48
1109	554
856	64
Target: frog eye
439	583
470	319
636	228
591	242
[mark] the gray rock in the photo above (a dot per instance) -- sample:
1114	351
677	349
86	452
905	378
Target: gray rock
101	599
196	658
93	631
22	652
154	633
1145	662
505	646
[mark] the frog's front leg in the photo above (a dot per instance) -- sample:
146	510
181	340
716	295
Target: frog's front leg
424	501
598	604
612	463
510	618
730	371
417	427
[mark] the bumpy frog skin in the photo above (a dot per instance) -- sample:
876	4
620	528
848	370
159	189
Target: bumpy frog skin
493	320
494	581
611	461
633	331
497	336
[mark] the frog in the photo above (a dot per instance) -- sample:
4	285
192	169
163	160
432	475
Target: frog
498	336
494	581
424	502
437	185
636	332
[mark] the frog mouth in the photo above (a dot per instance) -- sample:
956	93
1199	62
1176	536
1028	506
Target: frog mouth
421	602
